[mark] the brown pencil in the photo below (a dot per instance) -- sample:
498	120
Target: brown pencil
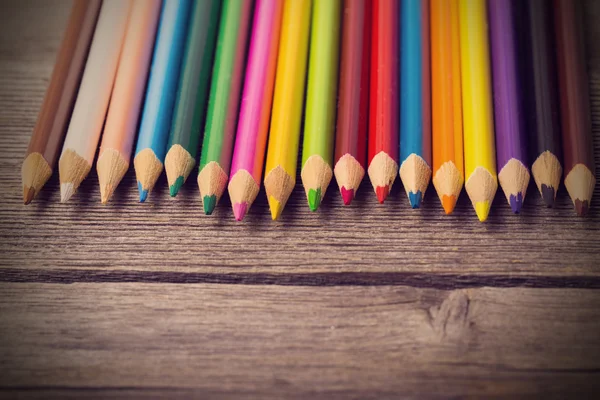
51	126
574	104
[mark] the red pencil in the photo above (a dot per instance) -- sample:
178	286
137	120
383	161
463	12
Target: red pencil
353	110
383	113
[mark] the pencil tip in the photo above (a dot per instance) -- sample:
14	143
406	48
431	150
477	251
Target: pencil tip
28	194
106	192
516	202
448	202
581	207
314	199
482	209
239	210
66	192
174	188
549	195
143	193
347	195
415	199
382	193
209	203
275	207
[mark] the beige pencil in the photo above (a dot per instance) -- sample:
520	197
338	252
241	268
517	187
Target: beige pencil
91	105
127	95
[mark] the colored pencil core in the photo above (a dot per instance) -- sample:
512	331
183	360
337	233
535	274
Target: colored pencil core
314	199
516	202
347	195
209	203
448	202
143	192
28	194
275	208
382	193
239	210
482	209
174	188
415	199
548	194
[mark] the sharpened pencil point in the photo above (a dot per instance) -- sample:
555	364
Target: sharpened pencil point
548	194
448	202
516	202
106	192
66	192
382	193
275	208
581	207
314	199
347	195
28	194
482	209
209	203
174	188
415	199
239	210
143	193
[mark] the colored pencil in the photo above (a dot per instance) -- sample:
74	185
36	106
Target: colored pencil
160	94
353	110
383	111
511	142
317	149
576	123
91	105
51	125
541	97
224	102
284	134
192	92
478	122
255	107
126	98
415	100
446	105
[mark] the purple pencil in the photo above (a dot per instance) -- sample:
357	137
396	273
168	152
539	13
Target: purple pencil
511	151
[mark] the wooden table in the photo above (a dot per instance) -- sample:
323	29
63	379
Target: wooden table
157	300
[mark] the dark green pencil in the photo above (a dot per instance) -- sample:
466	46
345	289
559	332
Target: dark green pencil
192	93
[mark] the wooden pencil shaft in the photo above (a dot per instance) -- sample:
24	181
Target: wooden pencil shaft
415	104
353	110
539	78
130	81
508	115
94	93
51	126
573	85
226	83
196	68
445	84
322	81
284	133
383	111
259	81
164	76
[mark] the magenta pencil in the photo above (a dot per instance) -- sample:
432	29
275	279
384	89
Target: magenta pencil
255	108
511	151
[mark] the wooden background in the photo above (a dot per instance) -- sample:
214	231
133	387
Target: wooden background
157	300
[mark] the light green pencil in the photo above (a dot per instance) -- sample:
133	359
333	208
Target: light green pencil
319	123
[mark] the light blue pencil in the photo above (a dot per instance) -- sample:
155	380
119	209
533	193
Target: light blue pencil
415	100
160	94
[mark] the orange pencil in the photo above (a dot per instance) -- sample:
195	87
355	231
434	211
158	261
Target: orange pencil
446	104
126	99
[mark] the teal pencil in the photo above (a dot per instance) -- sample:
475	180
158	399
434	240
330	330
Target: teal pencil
192	93
160	94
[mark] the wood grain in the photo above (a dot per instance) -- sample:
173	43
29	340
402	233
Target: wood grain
360	342
174	235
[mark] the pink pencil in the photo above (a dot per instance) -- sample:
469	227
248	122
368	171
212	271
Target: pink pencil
255	109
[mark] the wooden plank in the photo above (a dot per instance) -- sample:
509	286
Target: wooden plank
271	341
173	236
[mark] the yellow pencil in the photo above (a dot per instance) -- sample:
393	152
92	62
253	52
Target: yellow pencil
478	123
284	135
